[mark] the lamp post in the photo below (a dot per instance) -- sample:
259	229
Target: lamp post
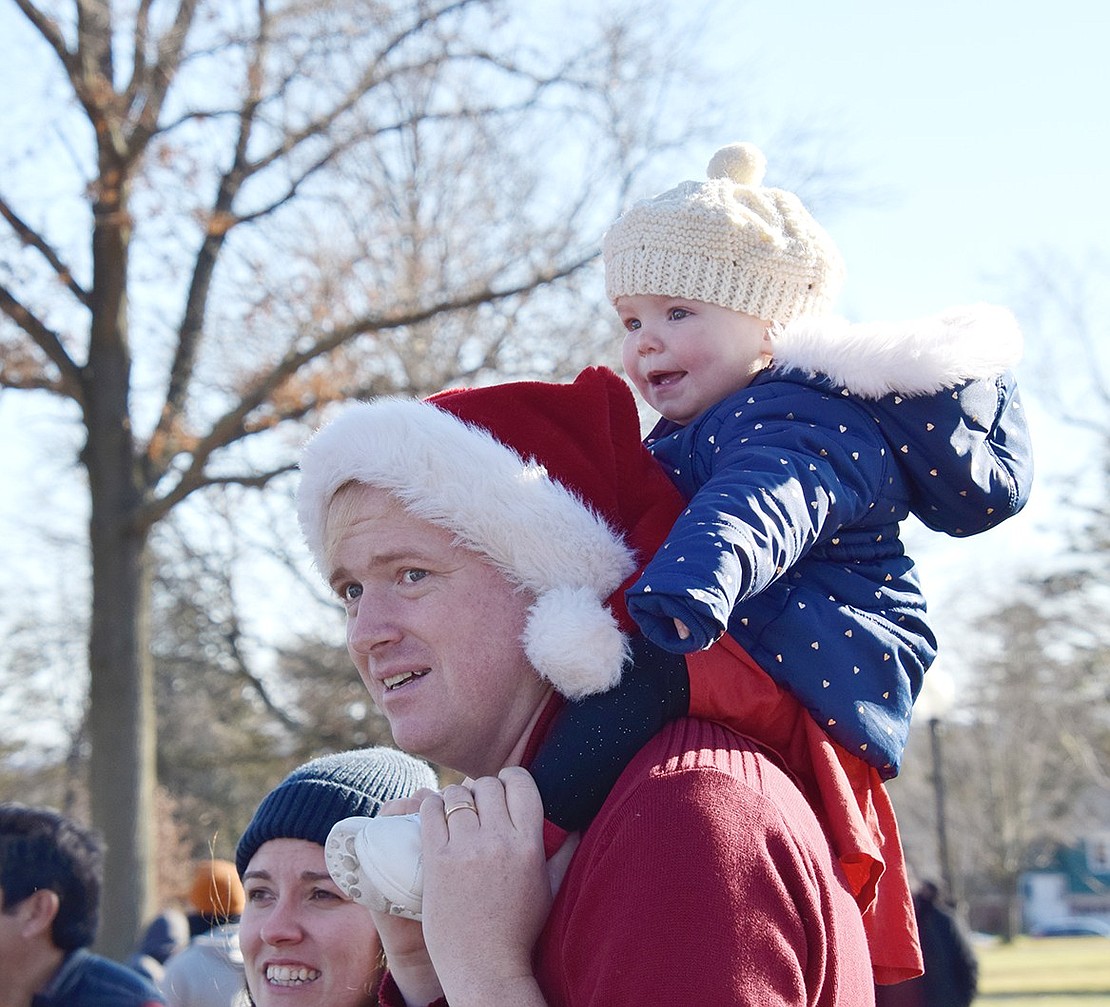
936	730
936	699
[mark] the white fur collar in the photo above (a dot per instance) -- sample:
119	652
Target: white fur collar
917	357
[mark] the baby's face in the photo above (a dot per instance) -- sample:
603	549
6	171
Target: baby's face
684	355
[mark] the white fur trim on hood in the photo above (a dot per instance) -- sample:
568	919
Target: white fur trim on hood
911	358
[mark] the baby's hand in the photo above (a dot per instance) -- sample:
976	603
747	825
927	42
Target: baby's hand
681	630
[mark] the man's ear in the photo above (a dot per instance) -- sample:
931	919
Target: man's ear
37	912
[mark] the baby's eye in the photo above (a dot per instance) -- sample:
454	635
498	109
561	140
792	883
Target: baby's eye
632	324
413	575
677	314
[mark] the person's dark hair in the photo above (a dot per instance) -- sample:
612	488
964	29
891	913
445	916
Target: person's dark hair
929	891
43	849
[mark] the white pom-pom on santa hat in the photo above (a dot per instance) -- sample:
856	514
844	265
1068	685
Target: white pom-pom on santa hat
575	643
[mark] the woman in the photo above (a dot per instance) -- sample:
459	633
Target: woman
303	941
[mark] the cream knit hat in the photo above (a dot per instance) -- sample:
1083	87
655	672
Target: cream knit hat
726	241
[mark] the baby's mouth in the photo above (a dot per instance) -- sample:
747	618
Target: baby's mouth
661	379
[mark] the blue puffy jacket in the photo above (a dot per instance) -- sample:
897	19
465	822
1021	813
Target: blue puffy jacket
798	485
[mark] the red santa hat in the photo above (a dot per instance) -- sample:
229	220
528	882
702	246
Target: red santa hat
548	482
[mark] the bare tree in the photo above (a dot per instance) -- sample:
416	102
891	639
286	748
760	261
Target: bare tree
222	216
1063	301
1026	746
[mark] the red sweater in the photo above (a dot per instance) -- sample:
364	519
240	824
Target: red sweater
705	879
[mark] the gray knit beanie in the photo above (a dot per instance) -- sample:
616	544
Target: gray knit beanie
726	241
312	798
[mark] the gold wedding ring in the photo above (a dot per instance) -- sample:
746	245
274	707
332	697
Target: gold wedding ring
465	806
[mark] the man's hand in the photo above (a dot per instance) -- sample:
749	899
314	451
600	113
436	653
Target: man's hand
486	887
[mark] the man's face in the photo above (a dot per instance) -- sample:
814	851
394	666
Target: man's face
435	633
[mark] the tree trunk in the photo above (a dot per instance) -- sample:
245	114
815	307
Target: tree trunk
122	728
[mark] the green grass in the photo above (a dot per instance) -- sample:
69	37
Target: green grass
1045	972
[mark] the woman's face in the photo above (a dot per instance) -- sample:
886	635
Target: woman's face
304	943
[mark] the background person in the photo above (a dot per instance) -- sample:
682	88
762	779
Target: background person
164	935
208	971
51	872
476	541
304	942
951	976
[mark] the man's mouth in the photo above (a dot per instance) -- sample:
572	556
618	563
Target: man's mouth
396	681
290	975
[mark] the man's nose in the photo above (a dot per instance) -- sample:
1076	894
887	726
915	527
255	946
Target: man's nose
373	624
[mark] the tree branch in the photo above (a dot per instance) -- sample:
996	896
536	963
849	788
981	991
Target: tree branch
158	77
372	77
48	28
157	509
32	239
70	379
140	69
33	382
220	221
234	426
258	480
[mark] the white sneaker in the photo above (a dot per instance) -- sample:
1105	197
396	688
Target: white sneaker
377	862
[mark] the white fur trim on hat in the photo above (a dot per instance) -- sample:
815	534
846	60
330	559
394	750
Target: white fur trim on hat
528	525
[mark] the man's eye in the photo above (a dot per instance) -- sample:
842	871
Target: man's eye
350	592
413	576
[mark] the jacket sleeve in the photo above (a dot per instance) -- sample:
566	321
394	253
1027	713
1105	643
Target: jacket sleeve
766	488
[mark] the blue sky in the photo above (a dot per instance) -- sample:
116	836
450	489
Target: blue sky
984	124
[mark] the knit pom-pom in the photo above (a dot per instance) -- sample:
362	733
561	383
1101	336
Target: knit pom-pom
574	642
744	163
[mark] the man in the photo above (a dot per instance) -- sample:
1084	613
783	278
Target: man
50	877
479	542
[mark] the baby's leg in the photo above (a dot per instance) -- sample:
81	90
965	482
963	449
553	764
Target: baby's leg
593	739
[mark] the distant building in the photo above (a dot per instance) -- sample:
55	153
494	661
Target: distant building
1077	884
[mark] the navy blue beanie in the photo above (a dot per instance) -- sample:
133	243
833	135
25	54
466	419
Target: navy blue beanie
312	798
